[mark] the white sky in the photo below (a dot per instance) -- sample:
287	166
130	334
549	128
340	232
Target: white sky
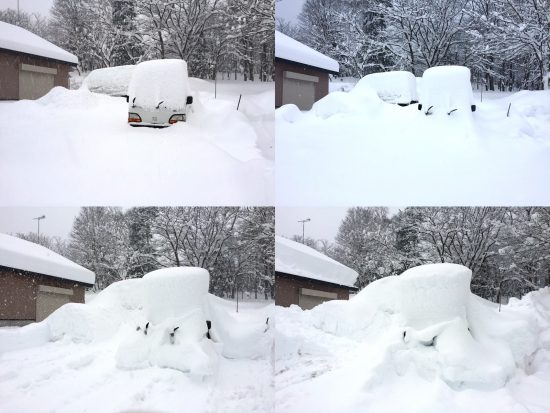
30	6
58	221
289	9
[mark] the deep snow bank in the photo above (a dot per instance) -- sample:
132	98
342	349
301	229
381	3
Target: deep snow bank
431	325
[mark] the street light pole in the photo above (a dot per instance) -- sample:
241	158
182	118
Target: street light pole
303	221
38	220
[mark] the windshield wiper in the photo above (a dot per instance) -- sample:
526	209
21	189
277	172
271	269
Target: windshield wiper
159	103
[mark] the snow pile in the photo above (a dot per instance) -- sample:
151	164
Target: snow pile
21	40
28	256
111	81
289	49
157	81
298	259
422	335
447	88
244	335
288	113
397	87
86	132
380	153
60	98
435	327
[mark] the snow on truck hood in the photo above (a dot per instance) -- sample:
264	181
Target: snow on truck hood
28	256
289	49
160	80
21	40
298	259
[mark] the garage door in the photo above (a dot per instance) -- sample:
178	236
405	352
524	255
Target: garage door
299	89
50	299
35	81
310	298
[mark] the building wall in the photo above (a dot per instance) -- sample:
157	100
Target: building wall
19	289
287	290
321	89
9	72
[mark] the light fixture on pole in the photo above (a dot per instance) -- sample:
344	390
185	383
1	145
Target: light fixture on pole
38	220
303	221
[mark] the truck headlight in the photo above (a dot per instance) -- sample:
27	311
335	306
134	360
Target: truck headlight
176	118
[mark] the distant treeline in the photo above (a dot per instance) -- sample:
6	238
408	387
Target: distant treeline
506	43
507	249
236	245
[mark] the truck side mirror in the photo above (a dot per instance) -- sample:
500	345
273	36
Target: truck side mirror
127	98
189	100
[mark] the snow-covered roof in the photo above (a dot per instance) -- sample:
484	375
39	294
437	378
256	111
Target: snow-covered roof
160	81
21	40
298	259
28	256
289	49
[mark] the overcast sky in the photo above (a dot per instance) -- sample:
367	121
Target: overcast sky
58	221
30	6
289	9
323	225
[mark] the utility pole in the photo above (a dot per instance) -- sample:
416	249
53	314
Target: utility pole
303	222
38	218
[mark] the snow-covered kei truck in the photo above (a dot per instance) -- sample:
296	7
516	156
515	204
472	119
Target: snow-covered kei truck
397	87
159	93
446	89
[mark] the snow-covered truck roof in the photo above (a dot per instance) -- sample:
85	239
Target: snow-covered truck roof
155	81
111	81
20	40
289	49
28	256
397	87
298	259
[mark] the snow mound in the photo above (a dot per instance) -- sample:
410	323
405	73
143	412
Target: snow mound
447	88
335	103
61	98
289	49
397	87
158	81
288	113
297	259
21	40
111	81
434	326
28	256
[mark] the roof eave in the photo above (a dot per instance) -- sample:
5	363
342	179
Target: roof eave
299	277
32	273
332	72
38	56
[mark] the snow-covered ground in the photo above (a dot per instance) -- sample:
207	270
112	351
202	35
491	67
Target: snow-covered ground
419	342
357	150
90	357
74	147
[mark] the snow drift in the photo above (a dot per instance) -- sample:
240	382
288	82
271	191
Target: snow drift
433	326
